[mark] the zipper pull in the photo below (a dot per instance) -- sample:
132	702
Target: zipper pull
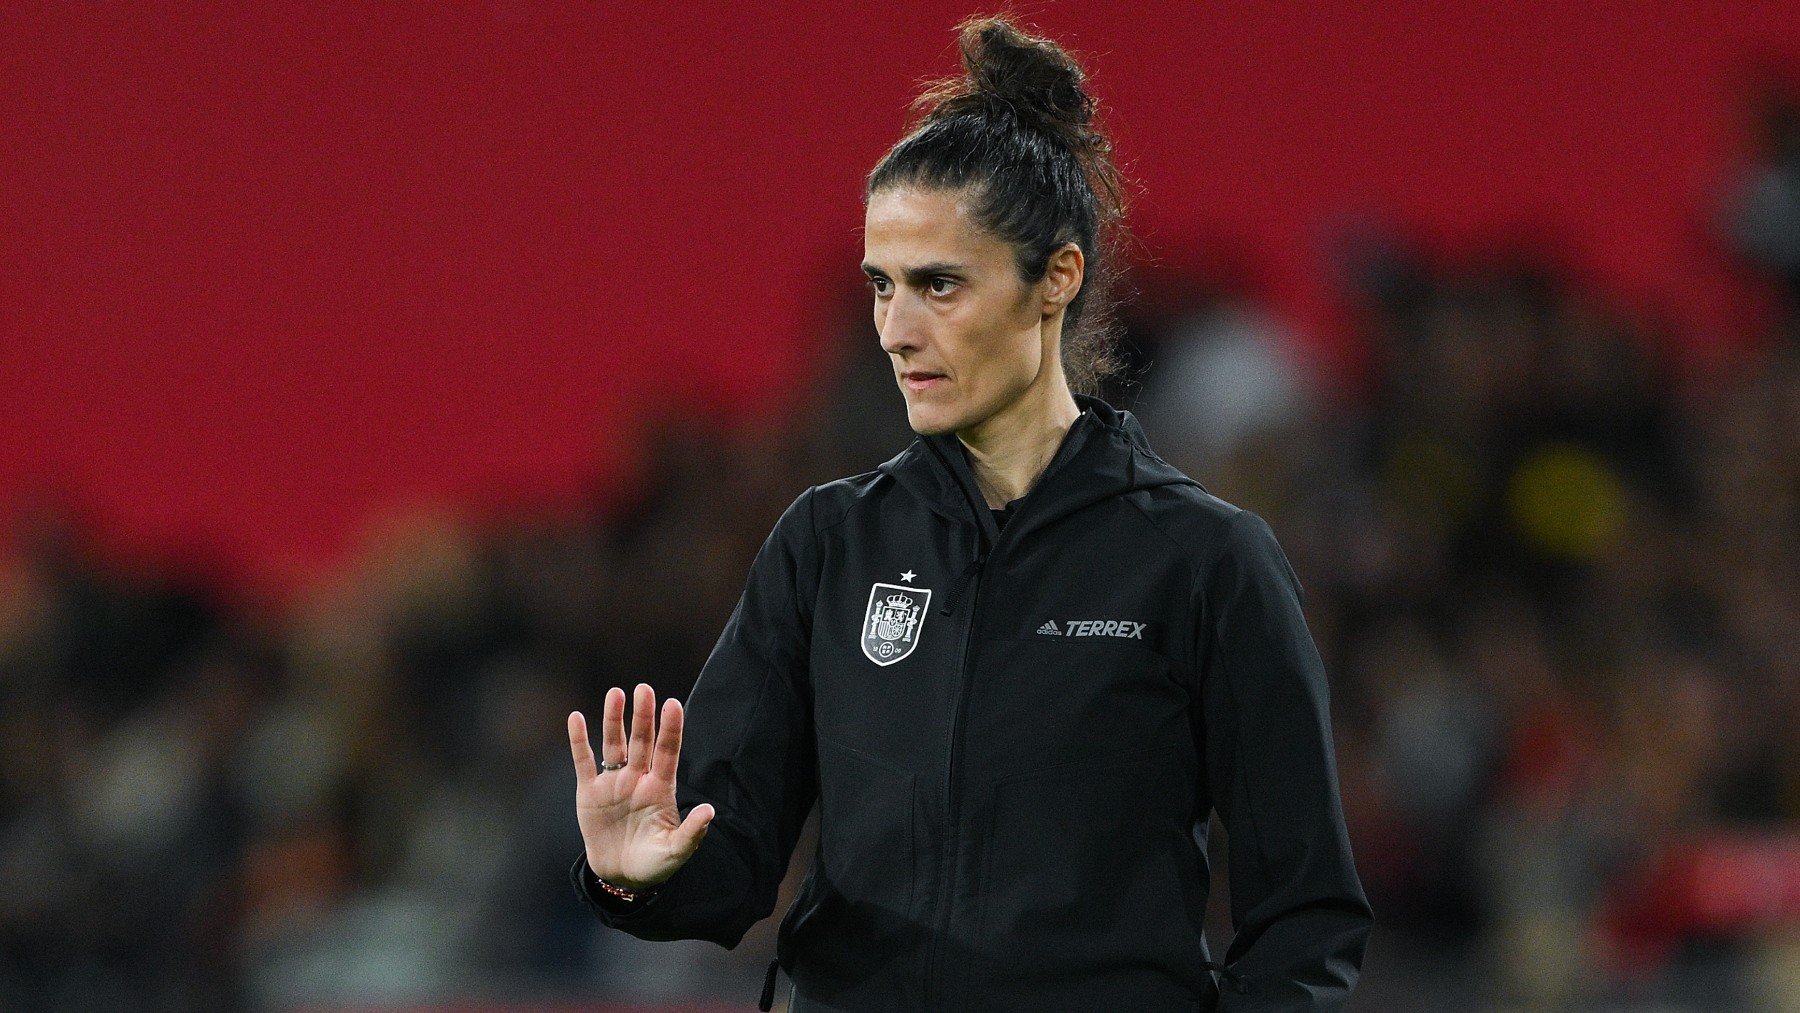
962	582
767	1002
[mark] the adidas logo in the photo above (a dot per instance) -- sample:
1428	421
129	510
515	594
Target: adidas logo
1123	629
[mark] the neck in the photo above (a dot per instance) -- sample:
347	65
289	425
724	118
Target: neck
1009	450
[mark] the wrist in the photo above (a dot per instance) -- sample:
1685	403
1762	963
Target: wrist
625	893
623	890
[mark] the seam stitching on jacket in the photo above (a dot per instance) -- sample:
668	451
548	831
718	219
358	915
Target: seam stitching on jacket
762	691
1193	656
1239	775
844	516
812	524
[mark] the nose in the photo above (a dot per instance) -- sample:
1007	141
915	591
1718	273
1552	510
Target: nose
900	326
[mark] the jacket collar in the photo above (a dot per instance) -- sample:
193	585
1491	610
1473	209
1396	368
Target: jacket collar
1104	454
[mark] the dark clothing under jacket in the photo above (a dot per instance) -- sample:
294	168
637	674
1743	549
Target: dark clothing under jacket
1015	736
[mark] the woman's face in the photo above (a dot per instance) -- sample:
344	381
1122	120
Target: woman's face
968	339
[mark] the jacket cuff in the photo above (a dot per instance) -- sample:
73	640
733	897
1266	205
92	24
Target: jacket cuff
614	911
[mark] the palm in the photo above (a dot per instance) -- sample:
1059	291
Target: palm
633	832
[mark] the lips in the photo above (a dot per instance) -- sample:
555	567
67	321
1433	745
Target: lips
919	379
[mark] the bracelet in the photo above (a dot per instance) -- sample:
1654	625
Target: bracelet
621	892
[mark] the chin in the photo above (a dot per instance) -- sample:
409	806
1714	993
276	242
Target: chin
932	420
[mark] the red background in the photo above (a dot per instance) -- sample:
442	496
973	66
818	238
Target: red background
265	277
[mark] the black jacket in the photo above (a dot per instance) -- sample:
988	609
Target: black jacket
1015	737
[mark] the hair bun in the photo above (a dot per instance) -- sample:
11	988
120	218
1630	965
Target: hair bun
1032	76
1025	77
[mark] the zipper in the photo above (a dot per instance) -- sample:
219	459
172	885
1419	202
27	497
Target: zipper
952	838
969	582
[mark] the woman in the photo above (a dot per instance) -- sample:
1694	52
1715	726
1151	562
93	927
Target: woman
1016	666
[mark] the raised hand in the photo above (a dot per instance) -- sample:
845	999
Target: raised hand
635	836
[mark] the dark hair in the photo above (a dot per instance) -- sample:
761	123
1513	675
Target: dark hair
1019	128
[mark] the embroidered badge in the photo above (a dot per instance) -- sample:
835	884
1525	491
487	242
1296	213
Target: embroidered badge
893	622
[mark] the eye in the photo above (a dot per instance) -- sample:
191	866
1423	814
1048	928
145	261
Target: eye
947	284
878	286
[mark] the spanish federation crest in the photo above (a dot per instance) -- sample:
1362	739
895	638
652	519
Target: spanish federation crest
892	624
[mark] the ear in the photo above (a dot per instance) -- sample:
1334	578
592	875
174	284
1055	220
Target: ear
1062	278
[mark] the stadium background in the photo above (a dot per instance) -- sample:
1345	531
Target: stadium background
378	384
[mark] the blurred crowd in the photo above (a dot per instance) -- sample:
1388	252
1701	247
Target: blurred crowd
1552	576
1554	587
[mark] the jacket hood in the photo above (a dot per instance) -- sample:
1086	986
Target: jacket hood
1104	454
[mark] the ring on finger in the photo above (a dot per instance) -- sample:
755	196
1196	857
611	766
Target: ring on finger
604	766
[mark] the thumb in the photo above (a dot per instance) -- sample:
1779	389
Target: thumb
695	826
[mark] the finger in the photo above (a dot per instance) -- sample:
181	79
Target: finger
578	745
692	829
668	740
612	727
643	717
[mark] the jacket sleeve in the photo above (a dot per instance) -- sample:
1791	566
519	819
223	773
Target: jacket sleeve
747	749
1299	915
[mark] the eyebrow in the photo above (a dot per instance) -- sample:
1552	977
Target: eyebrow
916	276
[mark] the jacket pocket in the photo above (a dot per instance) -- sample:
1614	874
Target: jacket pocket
856	926
1091	878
